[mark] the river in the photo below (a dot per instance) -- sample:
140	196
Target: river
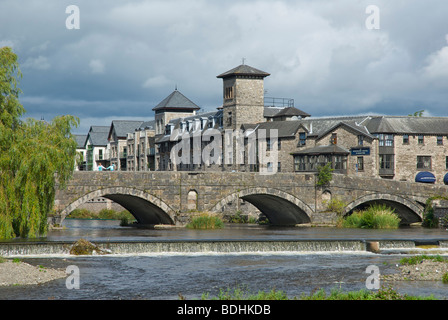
166	275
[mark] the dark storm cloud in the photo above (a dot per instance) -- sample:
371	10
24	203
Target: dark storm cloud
129	55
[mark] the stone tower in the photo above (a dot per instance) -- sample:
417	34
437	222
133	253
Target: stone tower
243	96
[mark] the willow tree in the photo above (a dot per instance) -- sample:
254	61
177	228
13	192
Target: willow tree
33	155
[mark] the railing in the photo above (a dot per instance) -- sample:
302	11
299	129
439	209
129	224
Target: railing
278	102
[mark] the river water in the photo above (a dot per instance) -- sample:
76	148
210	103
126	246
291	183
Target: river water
166	275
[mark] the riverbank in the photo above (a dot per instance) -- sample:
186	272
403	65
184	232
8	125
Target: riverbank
426	270
14	273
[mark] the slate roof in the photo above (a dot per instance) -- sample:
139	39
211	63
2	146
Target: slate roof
243	70
80	140
148	125
176	100
408	125
98	138
290	112
123	127
99	129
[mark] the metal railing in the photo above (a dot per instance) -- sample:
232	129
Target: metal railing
278	102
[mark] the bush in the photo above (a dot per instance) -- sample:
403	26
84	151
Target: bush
205	221
445	277
336	205
374	217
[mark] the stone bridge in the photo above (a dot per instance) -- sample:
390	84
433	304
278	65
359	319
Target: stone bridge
284	198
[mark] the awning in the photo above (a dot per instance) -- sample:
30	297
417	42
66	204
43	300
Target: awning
330	149
425	177
445	179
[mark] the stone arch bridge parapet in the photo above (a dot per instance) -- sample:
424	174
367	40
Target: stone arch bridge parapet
162	197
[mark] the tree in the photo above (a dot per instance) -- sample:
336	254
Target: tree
33	155
417	114
324	175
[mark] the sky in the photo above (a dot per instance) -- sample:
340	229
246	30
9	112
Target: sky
334	58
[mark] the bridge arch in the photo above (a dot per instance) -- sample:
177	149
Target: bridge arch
279	207
146	208
408	210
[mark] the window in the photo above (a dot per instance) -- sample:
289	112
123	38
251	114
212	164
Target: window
360	164
302	139
421	139
386	140
268	144
440	140
446	163
228	94
299	163
279	144
424	162
386	161
279	167
229	118
405	139
360	140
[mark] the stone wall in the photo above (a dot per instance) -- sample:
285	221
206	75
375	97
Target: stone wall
406	157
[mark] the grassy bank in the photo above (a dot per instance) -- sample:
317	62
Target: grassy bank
205	221
374	217
335	294
105	214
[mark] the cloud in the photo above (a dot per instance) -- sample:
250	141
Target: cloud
436	70
318	53
38	63
97	66
157	81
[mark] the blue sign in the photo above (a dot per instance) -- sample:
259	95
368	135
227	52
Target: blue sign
360	151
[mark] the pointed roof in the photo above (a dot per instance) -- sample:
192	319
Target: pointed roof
176	100
244	70
123	127
290	112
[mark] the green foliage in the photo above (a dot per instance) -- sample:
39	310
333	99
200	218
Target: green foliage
417	114
445	278
335	294
374	217
429	219
336	205
205	221
418	259
324	175
32	155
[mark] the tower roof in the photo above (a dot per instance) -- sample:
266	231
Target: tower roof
176	100
243	70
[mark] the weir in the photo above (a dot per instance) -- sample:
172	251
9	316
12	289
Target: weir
9	249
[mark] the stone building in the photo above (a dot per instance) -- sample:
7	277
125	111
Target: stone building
141	148
117	137
391	147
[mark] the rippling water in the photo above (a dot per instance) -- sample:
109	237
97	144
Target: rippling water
165	276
